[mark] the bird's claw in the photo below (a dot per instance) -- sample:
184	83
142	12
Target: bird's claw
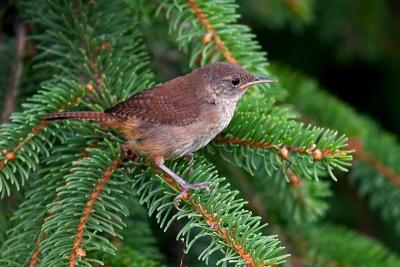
185	191
184	186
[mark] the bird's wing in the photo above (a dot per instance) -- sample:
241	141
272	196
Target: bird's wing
168	104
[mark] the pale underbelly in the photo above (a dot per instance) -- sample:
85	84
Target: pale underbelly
191	145
171	142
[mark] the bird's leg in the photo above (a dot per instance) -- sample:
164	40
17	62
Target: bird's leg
190	158
185	186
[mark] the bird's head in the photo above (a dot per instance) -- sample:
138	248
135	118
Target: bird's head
230	80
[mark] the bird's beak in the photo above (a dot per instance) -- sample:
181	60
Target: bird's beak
258	79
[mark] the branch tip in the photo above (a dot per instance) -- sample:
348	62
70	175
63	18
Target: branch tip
284	150
211	33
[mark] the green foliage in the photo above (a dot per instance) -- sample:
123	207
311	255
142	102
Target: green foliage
212	213
128	257
330	245
291	134
78	60
82	200
34	211
358	28
258	126
28	143
381	188
276	14
106	217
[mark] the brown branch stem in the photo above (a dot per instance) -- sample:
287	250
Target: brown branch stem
36	253
212	34
77	250
380	167
11	155
284	150
227	236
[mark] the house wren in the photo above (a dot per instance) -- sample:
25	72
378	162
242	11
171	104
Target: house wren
177	117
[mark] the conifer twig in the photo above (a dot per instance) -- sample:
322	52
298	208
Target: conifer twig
370	159
284	150
228	236
96	72
16	75
11	155
36	253
211	34
76	246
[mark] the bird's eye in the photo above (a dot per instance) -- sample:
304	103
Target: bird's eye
235	81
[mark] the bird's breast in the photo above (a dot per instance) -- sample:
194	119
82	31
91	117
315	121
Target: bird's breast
209	125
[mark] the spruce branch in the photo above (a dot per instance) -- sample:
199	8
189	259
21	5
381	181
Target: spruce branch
376	168
90	207
211	34
308	147
29	237
329	245
217	214
72	47
290	199
23	246
309	151
77	250
386	170
27	137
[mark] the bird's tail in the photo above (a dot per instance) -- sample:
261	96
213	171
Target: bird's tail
80	115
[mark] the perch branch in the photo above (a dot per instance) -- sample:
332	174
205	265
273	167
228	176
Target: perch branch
284	150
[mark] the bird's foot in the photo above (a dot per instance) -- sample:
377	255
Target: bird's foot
184	186
185	189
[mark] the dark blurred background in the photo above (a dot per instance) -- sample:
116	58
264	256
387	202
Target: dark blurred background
351	47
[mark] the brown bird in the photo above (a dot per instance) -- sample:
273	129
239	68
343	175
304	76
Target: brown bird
177	117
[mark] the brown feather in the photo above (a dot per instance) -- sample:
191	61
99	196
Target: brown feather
79	115
176	102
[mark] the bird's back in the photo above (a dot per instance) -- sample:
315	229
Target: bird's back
176	102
